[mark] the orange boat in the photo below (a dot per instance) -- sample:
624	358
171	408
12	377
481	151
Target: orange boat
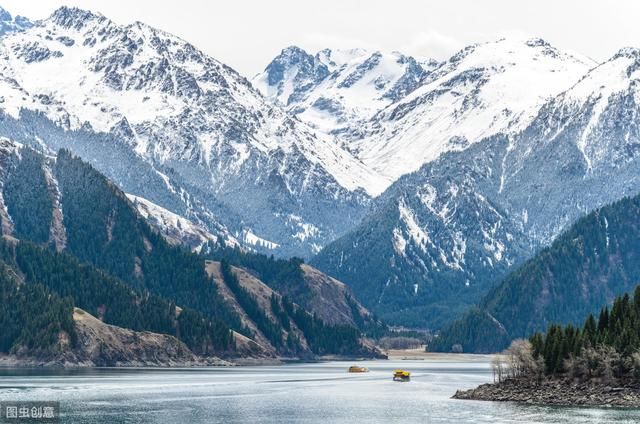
355	368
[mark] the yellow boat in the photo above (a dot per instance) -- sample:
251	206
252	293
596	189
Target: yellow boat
401	375
355	368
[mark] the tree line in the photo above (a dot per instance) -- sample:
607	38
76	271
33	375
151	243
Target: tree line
605	348
108	298
321	338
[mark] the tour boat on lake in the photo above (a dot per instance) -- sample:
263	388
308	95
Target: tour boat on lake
401	375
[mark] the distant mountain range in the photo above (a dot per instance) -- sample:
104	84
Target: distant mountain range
397	113
419	183
334	89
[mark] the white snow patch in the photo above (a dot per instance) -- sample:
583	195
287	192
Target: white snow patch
249	237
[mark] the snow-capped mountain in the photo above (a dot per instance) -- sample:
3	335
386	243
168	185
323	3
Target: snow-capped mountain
9	23
335	88
475	162
449	231
189	117
485	89
396	113
580	152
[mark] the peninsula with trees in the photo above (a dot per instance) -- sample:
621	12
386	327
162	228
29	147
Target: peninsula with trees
597	364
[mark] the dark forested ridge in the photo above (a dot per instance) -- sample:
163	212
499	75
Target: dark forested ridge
332	301
279	274
605	347
28	199
110	299
109	262
321	337
104	229
595	260
32	318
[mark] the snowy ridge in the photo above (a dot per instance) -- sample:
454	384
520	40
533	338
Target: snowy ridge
484	90
250	238
208	133
396	113
154	89
334	88
10	24
597	91
177	229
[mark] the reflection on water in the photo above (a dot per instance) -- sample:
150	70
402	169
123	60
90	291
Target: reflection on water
296	393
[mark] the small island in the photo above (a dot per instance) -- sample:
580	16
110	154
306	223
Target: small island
596	365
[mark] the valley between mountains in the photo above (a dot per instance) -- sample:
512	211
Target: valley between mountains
159	208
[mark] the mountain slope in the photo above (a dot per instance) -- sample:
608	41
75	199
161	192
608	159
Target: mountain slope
577	154
434	243
9	23
590	264
160	103
397	113
179	230
114	266
483	90
335	88
327	298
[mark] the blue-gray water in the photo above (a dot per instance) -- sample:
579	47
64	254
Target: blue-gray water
297	393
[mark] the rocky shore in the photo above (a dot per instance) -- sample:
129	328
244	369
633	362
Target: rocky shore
559	392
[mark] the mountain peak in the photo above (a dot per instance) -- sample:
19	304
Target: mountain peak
293	58
75	17
537	42
10	24
336	87
628	52
291	55
293	50
5	15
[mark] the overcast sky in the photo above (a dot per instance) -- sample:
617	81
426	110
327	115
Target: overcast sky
247	34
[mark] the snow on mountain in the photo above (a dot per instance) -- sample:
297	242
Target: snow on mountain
126	77
396	113
10	24
439	236
612	83
251	239
496	202
580	152
186	115
335	88
177	229
485	89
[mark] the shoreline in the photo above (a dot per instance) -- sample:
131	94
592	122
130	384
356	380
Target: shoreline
557	392
13	361
419	354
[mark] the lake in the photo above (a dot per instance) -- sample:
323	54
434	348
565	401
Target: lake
294	393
